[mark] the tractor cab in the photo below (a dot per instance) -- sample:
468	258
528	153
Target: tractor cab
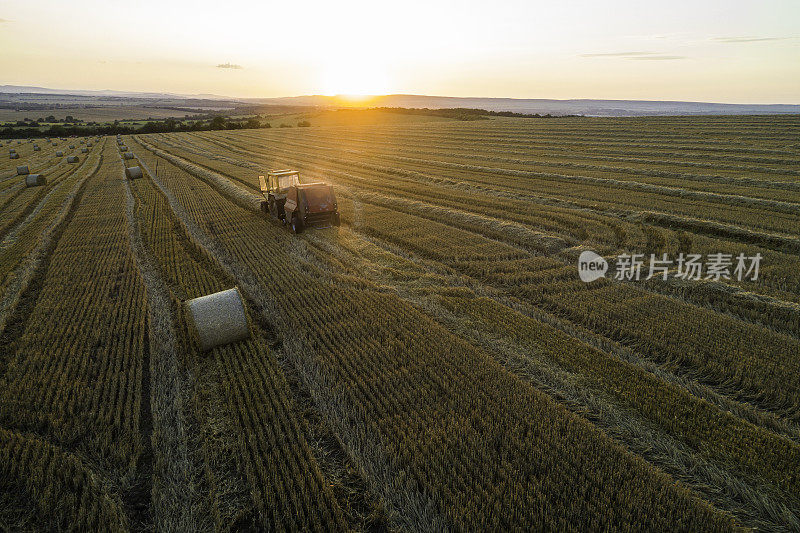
280	180
274	188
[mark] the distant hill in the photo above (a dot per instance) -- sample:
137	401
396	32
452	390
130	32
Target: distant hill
25	89
517	105
544	106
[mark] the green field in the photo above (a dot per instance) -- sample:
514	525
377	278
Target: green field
435	363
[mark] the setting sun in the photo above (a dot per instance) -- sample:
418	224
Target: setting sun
356	80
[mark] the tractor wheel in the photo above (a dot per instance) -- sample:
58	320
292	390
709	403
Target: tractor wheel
336	220
297	224
264	207
272	210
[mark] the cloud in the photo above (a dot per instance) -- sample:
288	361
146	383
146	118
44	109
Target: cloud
619	54
746	39
659	58
230	65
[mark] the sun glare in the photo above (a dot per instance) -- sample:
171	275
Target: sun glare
355	82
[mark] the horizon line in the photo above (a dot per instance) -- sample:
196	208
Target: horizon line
208	96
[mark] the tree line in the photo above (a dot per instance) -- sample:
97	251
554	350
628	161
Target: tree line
160	126
466	113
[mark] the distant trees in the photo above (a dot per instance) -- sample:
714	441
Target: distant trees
218	123
463	113
23	129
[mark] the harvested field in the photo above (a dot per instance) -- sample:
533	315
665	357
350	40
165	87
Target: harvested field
433	364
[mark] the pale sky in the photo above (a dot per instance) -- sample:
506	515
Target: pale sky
720	51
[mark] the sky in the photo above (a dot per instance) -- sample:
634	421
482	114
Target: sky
716	51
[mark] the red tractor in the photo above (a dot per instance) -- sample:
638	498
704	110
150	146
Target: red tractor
298	204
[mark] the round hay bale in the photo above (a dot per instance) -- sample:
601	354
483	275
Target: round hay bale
128	155
36	148
218	319
72	159
123	148
88	145
82	141
133	173
59	153
12	151
22	170
71	146
14	156
84	150
34	180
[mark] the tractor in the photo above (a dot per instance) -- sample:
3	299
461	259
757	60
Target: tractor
300	205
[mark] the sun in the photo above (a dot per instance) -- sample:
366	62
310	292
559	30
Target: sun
354	80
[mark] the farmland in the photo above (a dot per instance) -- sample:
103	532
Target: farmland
435	363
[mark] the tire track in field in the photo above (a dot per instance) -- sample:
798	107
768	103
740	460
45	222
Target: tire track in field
35	464
8	234
493	155
758	413
730	199
619	132
625	170
715	482
409	508
59	178
545	138
218	484
13	196
173	493
535	245
13	325
544	244
670	289
744	410
13	185
562	233
36	262
769	193
60	161
360	510
543	141
707	227
656	446
531	240
568	260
